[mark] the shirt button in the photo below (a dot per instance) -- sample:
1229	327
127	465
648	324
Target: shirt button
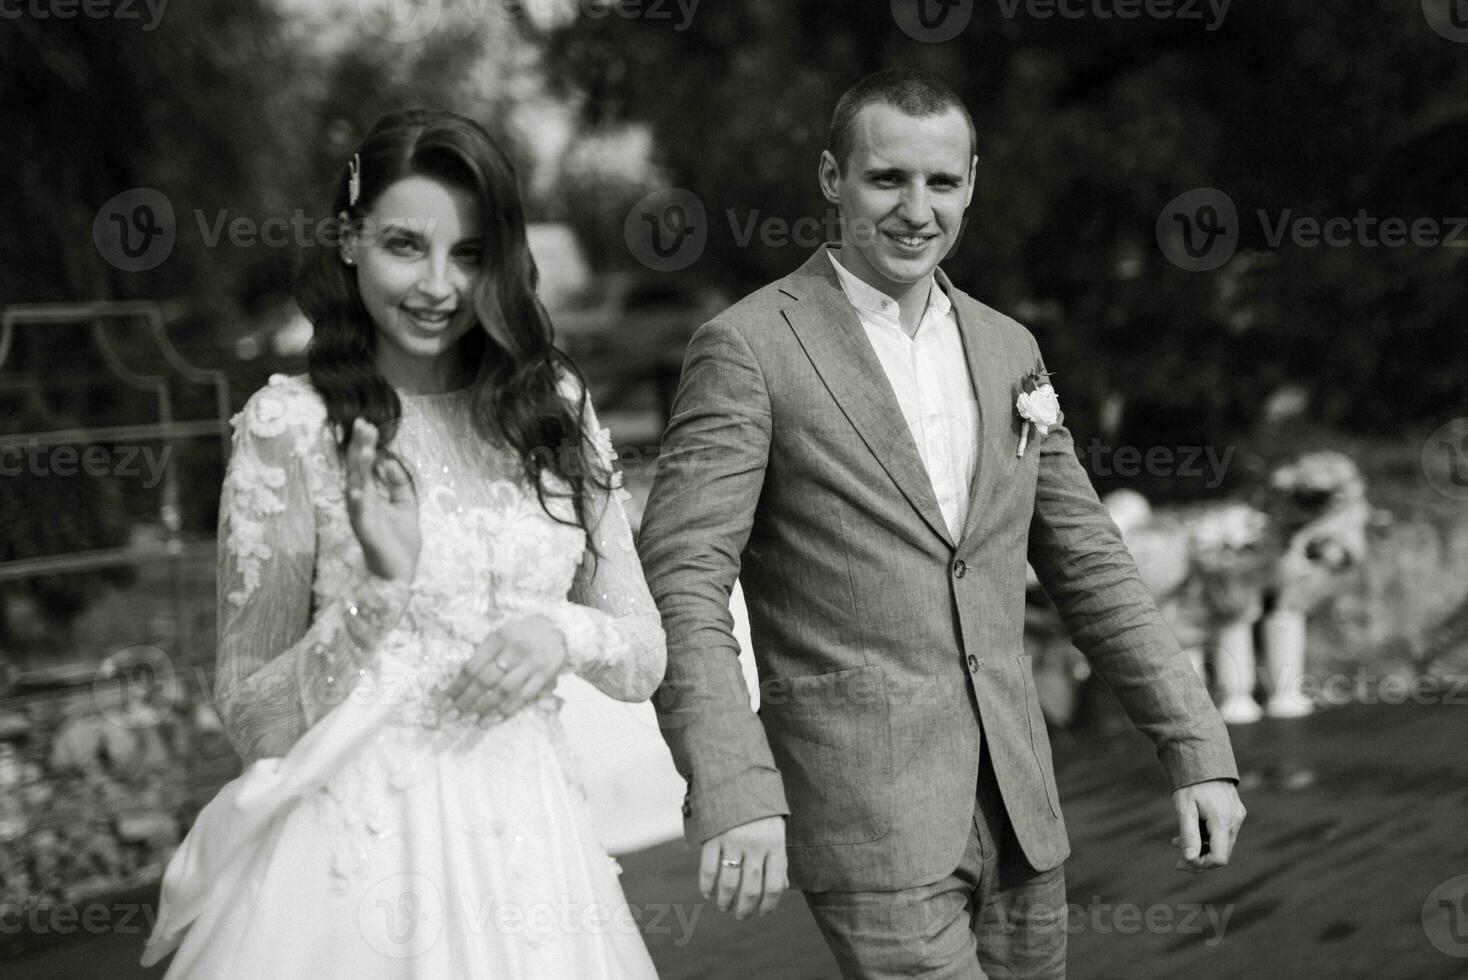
973	663
959	568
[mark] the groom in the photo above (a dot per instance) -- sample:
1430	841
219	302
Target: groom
846	443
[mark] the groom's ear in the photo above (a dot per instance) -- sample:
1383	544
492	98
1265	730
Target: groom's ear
829	176
973	173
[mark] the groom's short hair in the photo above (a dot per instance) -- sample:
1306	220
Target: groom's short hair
913	92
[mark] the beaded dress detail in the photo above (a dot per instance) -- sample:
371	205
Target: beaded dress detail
371	835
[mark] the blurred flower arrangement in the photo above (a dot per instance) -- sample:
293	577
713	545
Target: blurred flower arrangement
91	807
1320	515
1232	557
1312	484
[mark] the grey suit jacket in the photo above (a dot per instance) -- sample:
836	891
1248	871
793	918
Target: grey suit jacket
885	650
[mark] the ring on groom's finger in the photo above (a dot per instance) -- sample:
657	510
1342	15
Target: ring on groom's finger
732	864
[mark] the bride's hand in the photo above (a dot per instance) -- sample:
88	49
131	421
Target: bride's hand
515	665
382	506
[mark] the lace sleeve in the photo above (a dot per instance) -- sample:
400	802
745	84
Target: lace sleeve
278	668
613	632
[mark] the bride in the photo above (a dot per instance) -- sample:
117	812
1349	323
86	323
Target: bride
416	539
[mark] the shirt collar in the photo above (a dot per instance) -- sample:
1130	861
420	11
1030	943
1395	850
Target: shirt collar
869	298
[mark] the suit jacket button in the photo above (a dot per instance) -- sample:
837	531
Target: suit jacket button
973	662
959	568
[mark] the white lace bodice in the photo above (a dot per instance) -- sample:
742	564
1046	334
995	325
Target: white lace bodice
301	621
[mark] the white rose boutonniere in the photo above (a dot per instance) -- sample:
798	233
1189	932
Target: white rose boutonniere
1037	404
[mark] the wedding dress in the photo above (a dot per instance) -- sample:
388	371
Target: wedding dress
370	835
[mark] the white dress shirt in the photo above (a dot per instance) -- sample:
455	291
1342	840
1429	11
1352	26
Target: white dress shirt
929	374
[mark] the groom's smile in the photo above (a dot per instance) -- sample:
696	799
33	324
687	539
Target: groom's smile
902	192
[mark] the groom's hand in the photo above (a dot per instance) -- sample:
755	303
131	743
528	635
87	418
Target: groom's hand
1209	815
745	867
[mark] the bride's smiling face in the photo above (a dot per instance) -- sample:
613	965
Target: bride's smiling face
419	264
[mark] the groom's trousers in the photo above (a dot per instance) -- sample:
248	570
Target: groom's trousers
994	917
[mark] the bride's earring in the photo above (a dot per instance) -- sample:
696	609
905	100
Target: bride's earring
346	242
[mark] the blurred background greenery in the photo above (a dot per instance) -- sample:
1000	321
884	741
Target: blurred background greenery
1087	128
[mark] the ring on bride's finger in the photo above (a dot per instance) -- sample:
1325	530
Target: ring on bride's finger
502	663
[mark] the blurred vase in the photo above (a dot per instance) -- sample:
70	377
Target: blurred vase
1284	664
1236	672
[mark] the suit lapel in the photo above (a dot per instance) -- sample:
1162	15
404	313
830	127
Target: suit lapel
832	336
985	359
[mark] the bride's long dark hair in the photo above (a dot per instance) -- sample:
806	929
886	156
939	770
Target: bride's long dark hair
510	353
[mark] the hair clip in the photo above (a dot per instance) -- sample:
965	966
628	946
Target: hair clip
354	180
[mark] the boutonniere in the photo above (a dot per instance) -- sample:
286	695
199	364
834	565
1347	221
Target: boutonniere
1037	404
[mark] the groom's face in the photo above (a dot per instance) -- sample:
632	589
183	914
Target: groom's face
902	192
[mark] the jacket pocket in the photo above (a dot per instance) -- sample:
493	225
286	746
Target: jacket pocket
1039	740
831	738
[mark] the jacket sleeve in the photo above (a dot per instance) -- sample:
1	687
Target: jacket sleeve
709	477
1085	568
